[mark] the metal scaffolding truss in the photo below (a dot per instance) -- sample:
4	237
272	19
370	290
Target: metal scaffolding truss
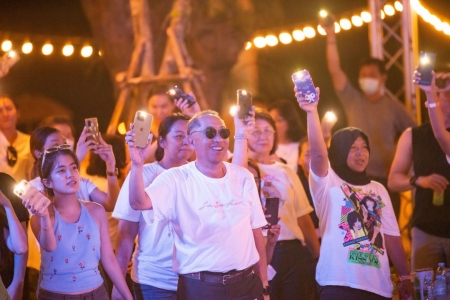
395	41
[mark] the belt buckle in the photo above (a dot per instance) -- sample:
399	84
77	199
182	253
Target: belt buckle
225	277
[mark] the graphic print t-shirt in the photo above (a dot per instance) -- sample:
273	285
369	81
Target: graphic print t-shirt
353	221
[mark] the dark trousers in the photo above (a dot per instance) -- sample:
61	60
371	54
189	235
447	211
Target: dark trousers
335	292
249	288
296	271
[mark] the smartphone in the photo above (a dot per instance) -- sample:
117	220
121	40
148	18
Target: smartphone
177	93
244	100
92	129
426	66
303	82
328	20
271	212
142	124
21	188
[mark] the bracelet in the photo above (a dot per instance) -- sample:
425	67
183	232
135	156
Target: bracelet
115	173
412	181
407	277
242	136
432	105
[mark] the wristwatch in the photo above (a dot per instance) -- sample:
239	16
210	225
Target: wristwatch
115	173
267	290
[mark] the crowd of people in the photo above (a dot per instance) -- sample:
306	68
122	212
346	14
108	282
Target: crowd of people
180	219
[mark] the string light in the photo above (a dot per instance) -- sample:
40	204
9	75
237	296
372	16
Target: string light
259	42
298	35
337	27
27	48
86	51
429	17
47	49
309	32
68	50
398	6
271	40
357	21
366	16
320	30
285	38
389	10
248	45
6	45
345	24
122	129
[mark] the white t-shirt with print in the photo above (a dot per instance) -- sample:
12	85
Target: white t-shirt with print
21	169
86	187
212	218
360	263
293	203
152	258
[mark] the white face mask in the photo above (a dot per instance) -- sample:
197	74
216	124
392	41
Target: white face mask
369	85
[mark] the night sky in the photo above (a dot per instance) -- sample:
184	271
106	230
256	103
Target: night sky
84	85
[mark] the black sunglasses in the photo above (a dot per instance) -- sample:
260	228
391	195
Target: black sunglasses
11	156
211	132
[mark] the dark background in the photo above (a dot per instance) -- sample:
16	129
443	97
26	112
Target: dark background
85	87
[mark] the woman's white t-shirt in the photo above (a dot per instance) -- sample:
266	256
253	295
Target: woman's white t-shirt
289	152
293	203
212	218
360	263
152	258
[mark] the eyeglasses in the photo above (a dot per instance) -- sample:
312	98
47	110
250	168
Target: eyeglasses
211	132
52	150
265	132
11	156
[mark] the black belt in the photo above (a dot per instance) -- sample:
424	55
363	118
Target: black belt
225	278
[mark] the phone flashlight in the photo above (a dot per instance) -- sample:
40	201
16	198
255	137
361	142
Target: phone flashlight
11	54
323	13
172	92
424	60
19	189
330	117
244	92
233	110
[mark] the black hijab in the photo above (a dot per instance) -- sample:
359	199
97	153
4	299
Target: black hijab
340	145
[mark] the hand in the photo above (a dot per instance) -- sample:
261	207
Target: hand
115	295
105	152
436	182
406	290
273	233
4	201
270	191
329	28
183	105
36	203
84	145
137	155
305	104
244	126
428	89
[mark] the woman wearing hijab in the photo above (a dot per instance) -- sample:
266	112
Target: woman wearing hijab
351	267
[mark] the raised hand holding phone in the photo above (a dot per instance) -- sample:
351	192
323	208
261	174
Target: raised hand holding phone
32	199
244	100
304	84
426	66
137	155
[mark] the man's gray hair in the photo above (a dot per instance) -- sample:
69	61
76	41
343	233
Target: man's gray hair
194	122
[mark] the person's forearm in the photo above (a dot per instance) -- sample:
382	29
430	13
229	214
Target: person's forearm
319	152
139	200
270	247
312	242
20	266
261	266
240	155
396	253
17	239
124	243
47	238
112	268
399	182
112	193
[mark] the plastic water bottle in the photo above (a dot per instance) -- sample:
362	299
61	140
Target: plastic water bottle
428	288
440	271
440	288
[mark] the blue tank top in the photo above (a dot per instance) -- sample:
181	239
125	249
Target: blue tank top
73	266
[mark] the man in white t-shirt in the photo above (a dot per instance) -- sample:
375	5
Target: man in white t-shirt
215	212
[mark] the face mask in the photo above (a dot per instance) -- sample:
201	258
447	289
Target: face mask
369	85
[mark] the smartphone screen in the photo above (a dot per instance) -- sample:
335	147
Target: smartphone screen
244	100
303	82
142	124
92	128
271	212
426	66
21	188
